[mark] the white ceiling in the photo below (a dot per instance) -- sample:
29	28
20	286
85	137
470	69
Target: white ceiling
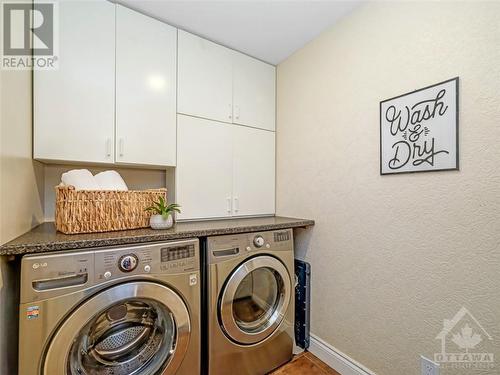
268	30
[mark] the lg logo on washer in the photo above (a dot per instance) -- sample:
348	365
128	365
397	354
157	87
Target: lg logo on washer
39	265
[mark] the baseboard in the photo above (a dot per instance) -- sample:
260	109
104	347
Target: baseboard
336	359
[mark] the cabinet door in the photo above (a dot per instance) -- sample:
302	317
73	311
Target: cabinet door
204	78
145	89
254	171
74	105
204	172
254	92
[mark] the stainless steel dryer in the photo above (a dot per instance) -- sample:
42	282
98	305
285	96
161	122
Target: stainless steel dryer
250	302
123	310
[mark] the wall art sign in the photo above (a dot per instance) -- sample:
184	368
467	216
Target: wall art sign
419	130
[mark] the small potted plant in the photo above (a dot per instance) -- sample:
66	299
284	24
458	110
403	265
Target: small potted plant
162	217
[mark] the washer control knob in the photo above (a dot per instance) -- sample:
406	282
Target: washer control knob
248	248
147	268
128	263
258	241
107	275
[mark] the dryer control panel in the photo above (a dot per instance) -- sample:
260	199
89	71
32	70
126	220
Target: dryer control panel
225	247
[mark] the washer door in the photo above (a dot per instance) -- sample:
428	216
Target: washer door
133	328
255	299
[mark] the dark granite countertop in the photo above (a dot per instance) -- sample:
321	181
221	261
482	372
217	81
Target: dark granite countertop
45	237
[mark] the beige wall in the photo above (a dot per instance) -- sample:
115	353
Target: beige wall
21	179
393	256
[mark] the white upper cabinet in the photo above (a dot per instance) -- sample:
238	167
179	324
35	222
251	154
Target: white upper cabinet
254	92
217	83
205	81
253	171
146	53
74	105
204	173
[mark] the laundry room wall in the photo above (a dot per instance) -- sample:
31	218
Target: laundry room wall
21	197
21	178
393	256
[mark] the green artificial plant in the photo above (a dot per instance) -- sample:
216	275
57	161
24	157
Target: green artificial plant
160	207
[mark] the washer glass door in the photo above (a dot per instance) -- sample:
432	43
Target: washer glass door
135	328
255	299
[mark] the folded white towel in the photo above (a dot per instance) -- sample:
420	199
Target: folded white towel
81	179
110	180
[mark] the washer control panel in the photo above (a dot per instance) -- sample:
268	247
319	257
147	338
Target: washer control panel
52	274
128	263
157	258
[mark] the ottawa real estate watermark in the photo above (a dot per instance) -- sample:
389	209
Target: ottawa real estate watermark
465	343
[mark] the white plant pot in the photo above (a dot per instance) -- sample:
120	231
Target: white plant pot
159	222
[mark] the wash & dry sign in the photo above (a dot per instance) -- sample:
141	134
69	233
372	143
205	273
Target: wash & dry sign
419	130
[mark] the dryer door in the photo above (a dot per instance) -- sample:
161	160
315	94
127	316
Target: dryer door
255	299
139	328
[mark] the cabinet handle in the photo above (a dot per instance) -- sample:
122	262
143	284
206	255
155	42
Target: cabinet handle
120	147
236	204
228	199
237	112
230	111
108	147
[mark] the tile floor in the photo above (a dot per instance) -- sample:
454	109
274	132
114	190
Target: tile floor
305	364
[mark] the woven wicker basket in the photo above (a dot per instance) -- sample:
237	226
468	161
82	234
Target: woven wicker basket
87	211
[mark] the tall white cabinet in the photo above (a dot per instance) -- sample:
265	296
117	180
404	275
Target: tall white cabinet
227	102
74	110
146	55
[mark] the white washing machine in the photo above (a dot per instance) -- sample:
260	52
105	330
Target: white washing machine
250	302
122	310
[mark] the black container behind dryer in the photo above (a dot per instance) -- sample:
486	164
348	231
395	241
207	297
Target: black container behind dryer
302	303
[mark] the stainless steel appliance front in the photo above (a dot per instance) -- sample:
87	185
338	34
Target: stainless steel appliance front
118	311
250	296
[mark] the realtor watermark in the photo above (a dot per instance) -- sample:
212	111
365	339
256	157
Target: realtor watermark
29	35
464	343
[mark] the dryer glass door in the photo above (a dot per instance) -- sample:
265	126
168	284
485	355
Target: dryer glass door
255	299
135	328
